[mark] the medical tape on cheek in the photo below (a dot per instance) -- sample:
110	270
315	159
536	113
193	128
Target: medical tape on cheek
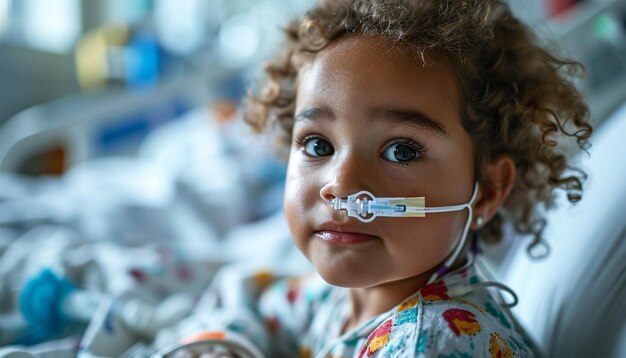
398	207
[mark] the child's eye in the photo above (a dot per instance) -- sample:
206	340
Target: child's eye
317	147
401	153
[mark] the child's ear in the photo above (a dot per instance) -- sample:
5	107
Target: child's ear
493	191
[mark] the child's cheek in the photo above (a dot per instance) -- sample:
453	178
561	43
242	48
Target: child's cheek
297	194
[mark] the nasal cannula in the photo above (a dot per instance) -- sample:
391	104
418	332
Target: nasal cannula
366	207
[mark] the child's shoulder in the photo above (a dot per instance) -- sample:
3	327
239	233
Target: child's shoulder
450	320
472	325
446	327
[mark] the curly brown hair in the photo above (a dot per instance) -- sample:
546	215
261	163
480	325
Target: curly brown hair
517	98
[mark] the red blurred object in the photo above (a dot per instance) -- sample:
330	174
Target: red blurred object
138	275
559	7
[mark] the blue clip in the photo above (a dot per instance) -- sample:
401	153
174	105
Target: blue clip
41	300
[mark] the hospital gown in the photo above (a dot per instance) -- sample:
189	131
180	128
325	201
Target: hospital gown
291	317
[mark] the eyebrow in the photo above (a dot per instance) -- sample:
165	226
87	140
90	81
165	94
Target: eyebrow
415	118
313	113
401	115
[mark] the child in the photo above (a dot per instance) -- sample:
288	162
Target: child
450	100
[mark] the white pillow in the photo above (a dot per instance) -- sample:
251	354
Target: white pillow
574	301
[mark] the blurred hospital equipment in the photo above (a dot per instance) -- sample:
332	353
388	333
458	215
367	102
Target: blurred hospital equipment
85	126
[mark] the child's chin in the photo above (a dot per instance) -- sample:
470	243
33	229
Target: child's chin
344	278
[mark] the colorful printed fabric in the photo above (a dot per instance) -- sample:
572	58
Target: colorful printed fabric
304	317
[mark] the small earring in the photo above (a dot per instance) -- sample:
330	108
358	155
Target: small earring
480	221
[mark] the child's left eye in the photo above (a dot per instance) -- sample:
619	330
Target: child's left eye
317	147
401	153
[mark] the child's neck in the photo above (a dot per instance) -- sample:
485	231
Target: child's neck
372	301
369	302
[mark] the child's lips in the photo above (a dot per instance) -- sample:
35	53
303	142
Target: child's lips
344	238
342	234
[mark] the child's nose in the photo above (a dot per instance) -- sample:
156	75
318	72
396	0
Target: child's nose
347	177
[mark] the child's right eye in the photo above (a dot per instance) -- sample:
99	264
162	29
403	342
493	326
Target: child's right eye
317	147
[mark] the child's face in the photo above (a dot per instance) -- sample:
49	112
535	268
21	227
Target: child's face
371	116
